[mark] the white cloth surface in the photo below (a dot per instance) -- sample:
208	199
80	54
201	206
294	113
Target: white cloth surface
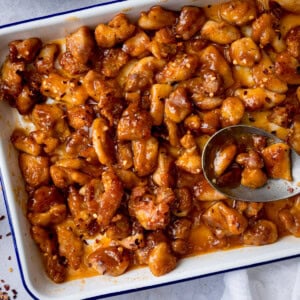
276	281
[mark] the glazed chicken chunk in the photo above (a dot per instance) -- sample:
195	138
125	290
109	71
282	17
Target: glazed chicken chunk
113	118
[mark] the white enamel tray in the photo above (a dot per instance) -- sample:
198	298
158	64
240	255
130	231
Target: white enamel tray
32	272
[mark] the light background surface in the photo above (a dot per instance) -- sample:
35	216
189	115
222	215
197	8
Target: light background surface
276	281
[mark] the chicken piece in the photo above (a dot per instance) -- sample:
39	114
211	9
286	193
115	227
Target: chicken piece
113	110
80	116
213	12
294	137
249	209
290	5
177	105
206	102
113	60
116	31
244	52
193	123
46	207
119	228
210	121
152	211
203	191
35	169
164	173
85	223
145	153
70	66
253	178
259	98
11	75
173	132
204	89
56	214
50	118
232	111
94	170
163	44
55	269
152	239
43	198
46	116
48	143
259	142
280	116
190	21
195	45
293	42
224	220
100	89
250	160
61	88
190	161
287	68
224	157
133	242
103	197
180	229
161	260
290	218
183	203
182	67
70	245
141	75
80	44
45	61
102	141
64	177
263	31
137	45
231	178
243	76
122	80
156	18
220	32
111	260
188	140
262	232
158	94
238	12
24	50
124	155
277	161
134	124
265	74
25	143
79	143
26	100
41	236
130	179
212	59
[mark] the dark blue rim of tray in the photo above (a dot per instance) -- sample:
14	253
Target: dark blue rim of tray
129	290
60	13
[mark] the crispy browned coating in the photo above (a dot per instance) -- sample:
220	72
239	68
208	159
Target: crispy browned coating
119	117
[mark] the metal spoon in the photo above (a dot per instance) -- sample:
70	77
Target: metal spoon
275	189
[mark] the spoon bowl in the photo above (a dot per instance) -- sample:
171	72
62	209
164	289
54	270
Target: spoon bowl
274	189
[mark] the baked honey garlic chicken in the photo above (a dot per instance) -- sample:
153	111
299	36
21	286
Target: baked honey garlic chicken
119	116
